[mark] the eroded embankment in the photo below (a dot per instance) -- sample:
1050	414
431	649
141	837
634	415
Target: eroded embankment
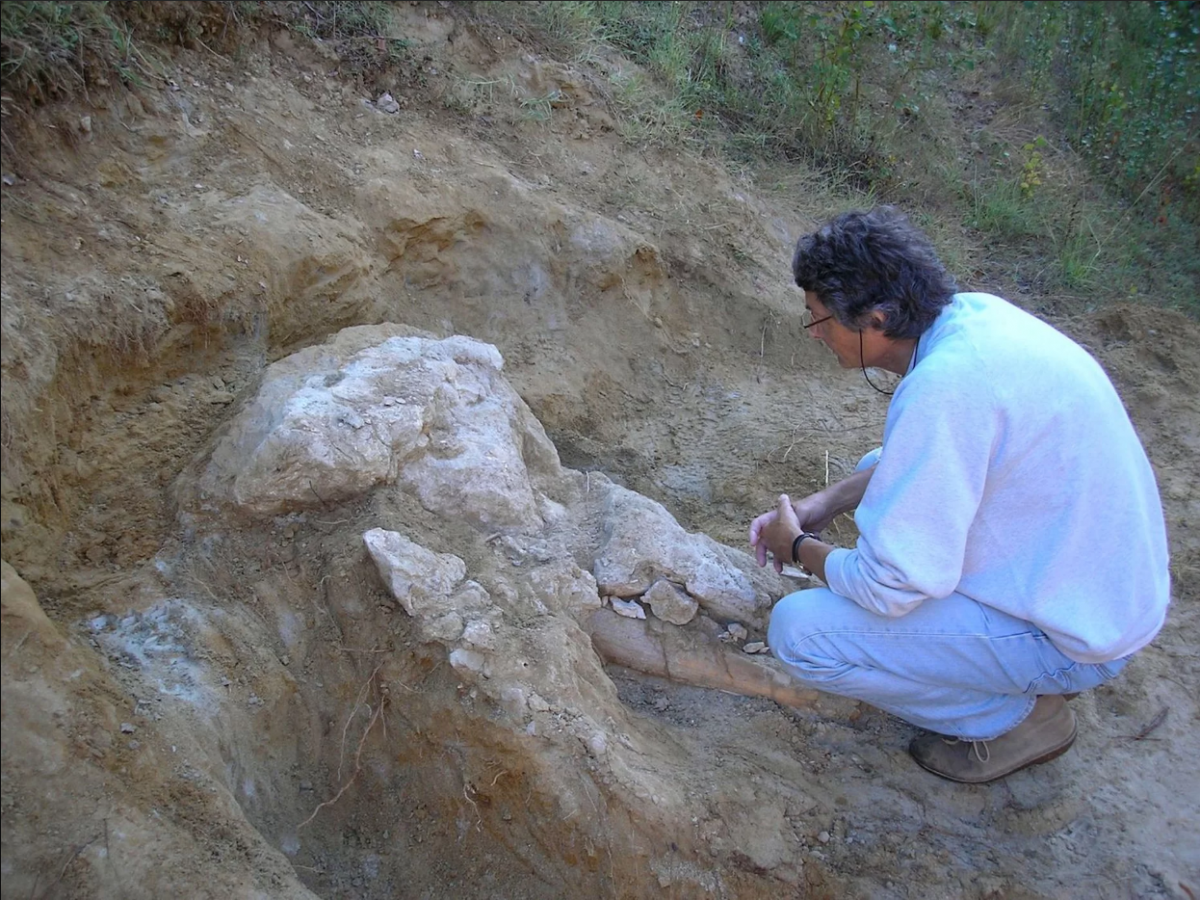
157	262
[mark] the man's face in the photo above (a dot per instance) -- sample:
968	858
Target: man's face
843	341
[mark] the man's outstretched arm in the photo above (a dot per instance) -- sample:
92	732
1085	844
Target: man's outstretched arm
814	513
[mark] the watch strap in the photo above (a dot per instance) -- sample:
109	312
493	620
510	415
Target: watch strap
800	538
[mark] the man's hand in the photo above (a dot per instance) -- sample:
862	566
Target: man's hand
774	531
814	512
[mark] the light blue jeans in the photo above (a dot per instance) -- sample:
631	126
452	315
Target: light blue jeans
952	665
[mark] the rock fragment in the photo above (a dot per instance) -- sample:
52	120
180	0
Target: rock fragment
670	603
321	430
419	579
468	660
387	104
630	609
643	544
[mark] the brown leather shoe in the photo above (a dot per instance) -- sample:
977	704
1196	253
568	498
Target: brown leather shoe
1047	732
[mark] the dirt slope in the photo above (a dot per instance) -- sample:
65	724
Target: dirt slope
157	256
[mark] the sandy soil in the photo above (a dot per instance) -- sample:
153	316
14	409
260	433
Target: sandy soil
183	703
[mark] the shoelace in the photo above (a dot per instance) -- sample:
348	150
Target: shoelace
980	748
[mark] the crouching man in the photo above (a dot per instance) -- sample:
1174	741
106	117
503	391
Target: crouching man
1012	547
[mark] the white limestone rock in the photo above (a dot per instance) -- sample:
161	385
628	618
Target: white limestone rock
379	405
670	604
469	661
480	635
421	581
643	543
630	609
562	585
447	628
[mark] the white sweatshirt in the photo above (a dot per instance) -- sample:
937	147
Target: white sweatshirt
1011	474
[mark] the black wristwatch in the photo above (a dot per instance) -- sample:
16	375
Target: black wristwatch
800	539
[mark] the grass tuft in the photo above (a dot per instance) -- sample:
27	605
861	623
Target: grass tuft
1096	107
54	50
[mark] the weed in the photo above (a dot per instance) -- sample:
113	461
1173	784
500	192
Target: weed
539	109
858	91
1034	166
1078	258
648	114
1125	78
567	29
52	50
999	208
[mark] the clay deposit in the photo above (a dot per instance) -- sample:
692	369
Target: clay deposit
375	492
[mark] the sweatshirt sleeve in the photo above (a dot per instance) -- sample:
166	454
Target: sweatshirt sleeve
922	500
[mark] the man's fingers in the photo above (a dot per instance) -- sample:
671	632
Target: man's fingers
760	551
761	522
786	513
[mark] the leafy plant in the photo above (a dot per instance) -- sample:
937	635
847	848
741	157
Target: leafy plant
1033	167
1126	79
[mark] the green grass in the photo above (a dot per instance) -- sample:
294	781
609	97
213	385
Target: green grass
1093	181
52	50
998	208
1125	77
56	50
1082	159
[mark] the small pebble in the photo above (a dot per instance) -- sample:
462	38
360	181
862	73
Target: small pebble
737	632
386	103
823	837
631	609
754	647
127	728
597	744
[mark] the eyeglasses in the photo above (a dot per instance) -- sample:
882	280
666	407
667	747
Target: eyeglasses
808	315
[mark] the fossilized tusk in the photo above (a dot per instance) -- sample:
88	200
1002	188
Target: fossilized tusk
688	656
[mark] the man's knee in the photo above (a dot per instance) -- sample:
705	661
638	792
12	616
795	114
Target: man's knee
797	630
785	619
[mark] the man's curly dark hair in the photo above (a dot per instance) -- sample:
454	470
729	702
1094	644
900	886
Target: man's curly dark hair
876	260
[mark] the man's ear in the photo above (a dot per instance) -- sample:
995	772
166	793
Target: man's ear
877	319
